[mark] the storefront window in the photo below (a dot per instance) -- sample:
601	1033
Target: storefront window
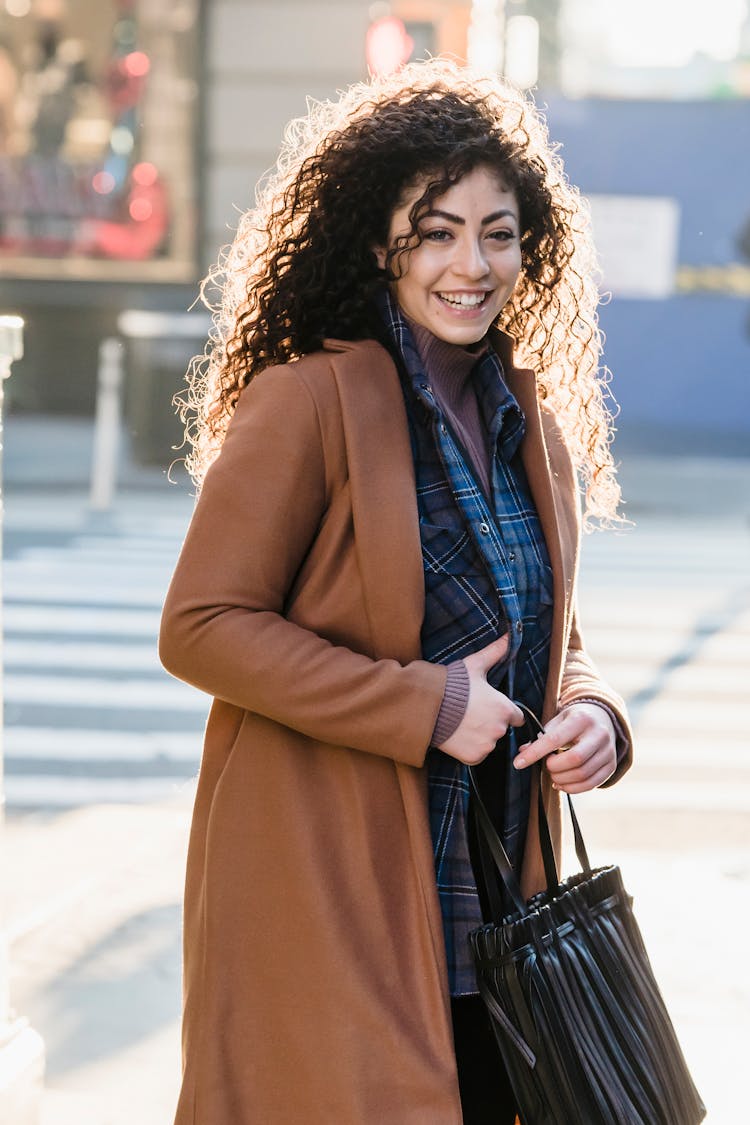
98	104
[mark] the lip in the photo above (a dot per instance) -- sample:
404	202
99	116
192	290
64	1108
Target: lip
465	312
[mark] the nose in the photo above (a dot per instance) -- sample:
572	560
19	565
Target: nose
471	261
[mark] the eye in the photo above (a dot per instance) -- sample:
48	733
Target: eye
437	234
502	235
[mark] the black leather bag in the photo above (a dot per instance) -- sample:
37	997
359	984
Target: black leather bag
579	1019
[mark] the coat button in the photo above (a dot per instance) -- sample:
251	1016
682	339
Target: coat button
484	528
511	556
519	627
443	429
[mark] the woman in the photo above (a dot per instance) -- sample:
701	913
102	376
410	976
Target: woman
382	558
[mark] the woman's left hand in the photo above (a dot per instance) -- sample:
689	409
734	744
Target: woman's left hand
580	747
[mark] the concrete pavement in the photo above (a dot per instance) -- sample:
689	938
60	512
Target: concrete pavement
93	892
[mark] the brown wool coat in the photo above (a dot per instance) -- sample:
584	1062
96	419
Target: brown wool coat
314	973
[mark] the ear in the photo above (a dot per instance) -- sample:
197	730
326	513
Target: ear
380	253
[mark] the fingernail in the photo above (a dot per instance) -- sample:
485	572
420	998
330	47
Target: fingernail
519	763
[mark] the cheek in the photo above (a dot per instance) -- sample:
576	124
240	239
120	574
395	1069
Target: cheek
513	265
510	271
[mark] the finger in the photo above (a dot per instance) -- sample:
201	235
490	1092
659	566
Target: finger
517	717
603	760
565	771
561	733
592	782
579	756
492	654
542	747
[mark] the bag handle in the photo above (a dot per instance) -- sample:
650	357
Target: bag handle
495	844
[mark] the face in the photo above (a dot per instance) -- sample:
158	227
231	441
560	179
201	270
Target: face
456	281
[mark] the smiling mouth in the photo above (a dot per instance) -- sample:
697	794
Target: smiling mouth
464	300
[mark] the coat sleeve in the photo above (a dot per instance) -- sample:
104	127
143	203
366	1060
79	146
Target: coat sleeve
581	681
223	626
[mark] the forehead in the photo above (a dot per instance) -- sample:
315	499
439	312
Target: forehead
477	185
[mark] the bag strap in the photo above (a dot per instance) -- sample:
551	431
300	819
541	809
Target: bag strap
496	849
495	844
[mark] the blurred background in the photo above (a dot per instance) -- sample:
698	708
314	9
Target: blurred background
132	133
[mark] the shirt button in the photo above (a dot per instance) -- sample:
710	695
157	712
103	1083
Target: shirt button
484	528
519	627
511	556
443	429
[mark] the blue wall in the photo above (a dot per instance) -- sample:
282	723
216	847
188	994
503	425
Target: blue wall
681	366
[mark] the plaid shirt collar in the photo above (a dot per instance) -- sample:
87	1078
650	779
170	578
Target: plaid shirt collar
501	413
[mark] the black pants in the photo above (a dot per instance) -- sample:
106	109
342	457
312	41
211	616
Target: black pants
486	1096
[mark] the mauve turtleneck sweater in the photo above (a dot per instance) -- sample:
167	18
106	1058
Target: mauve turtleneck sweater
448	368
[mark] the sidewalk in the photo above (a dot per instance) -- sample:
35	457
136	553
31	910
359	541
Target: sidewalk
94	893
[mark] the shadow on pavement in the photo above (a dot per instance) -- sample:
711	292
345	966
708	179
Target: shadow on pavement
116	993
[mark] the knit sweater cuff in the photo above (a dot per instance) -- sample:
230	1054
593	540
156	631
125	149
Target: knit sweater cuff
621	739
455	701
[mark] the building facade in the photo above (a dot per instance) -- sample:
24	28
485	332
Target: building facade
133	133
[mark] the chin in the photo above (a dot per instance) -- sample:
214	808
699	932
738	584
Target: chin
461	334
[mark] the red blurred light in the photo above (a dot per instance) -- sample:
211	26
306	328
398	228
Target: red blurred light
388	45
145	175
140	210
103	183
137	64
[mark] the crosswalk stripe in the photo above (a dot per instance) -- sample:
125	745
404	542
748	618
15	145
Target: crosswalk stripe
90	692
66	792
82	593
146	568
36	743
78	619
73	654
111	550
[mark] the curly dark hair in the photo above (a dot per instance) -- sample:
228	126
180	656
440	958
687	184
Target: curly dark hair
303	267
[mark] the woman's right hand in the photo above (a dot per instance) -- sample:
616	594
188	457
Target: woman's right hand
488	713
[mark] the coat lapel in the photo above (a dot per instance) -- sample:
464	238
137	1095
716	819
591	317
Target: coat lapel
383	492
541	474
389	553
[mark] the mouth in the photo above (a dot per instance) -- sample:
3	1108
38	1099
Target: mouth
465	302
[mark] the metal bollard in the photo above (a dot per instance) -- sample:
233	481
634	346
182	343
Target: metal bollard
11	342
21	1047
11	349
106	426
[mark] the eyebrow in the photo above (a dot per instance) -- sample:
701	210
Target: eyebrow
502	214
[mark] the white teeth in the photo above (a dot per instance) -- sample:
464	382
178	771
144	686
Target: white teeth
463	300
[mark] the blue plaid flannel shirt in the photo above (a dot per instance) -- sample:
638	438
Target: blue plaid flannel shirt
486	571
